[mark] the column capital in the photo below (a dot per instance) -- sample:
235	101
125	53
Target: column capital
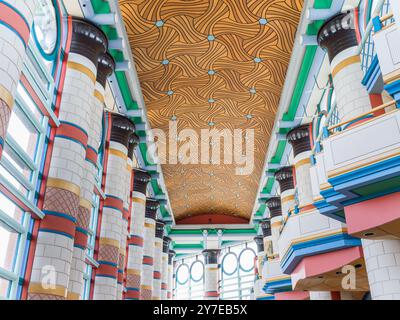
166	242
284	176
140	180
266	227
259	240
337	34
105	67
152	206
211	256
87	39
132	144
274	206
171	255
300	139
159	229
121	128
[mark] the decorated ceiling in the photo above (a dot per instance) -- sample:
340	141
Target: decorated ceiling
212	64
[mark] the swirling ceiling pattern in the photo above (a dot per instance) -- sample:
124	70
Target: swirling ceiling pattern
212	62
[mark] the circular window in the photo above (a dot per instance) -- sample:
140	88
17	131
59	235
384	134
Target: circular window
246	260
230	264
182	274
197	271
45	26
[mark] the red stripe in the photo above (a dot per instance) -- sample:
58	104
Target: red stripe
16	21
120	277
115	203
107	270
73	132
163	286
156	275
136	240
148	260
81	239
59	224
125	214
132	294
211	294
91	155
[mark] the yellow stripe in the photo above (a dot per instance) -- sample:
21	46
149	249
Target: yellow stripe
149	225
139	200
391	77
325	186
348	61
277	278
212	268
38	288
6	96
288	198
302	162
158	244
110	242
99	96
133	272
65	185
128	167
276	224
81	68
73	296
146	287
85	203
118	153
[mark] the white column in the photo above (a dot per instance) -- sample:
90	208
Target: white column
158	252
211	283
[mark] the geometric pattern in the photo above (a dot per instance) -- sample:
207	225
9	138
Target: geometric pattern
83	219
5	114
212	64
109	253
62	201
133	281
42	296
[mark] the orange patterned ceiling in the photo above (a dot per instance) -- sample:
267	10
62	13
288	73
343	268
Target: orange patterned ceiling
219	61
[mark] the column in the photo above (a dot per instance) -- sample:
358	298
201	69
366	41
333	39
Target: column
136	239
275	220
284	176
110	238
320	295
105	67
267	237
211	273
164	268
146	286
62	199
338	37
259	283
158	248
16	19
171	274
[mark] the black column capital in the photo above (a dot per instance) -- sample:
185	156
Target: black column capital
171	255
132	144
151	208
87	39
337	34
300	139
166	242
211	256
274	206
259	240
140	180
106	66
266	227
159	232
121	129
284	176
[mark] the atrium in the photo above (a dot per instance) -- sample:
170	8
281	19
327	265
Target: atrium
199	149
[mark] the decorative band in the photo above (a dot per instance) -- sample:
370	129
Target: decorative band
156	275
81	68
59	223
145	287
164	286
109	242
81	239
139	200
276	224
302	162
118	153
343	64
135	241
114	203
214	294
38	288
125	214
99	96
6	96
148	260
132	293
288	198
72	132
15	21
91	155
73	296
106	270
133	272
85	204
63	184
149	225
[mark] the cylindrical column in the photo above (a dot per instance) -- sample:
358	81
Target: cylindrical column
258	283
62	204
267	237
110	238
146	287
275	211
299	138
284	176
15	27
320	295
164	268
158	248
211	283
171	255
338	37
383	268
259	240
135	242
105	67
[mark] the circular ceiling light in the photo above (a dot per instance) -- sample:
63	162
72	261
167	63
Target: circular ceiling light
159	23
211	37
263	21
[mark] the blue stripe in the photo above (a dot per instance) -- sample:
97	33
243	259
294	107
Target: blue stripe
79	246
82	230
114	208
105	276
56	232
108	263
1	141
133	289
70	139
59	214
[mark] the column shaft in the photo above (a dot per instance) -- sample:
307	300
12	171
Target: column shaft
164	268
170	289
211	283
158	250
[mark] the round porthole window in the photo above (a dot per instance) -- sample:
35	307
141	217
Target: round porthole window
197	271
246	260
230	264
182	274
45	26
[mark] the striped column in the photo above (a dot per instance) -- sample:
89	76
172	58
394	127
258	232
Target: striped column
275	220
135	242
258	284
146	286
133	142
211	283
267	237
158	251
338	37
105	67
164	268
16	19
56	237
284	176
170	289
110	238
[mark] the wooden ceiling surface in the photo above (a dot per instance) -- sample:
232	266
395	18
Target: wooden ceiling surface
212	61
